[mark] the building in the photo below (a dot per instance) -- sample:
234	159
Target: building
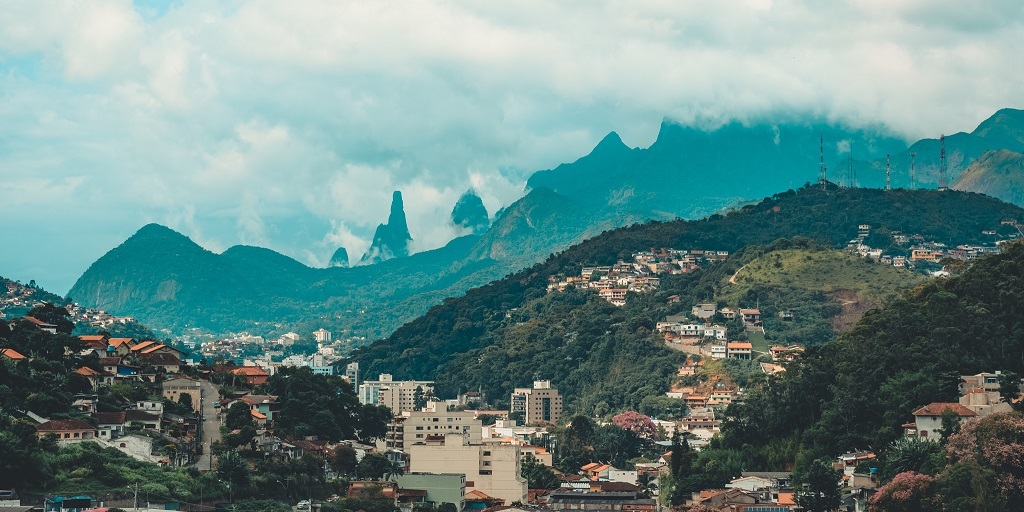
397	395
541	403
67	431
599	501
411	427
927	424
174	388
491	469
751	317
252	375
352	375
266	405
739	350
704	311
440	487
322	335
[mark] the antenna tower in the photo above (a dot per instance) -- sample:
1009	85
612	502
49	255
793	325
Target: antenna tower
853	176
888	173
943	181
821	162
913	175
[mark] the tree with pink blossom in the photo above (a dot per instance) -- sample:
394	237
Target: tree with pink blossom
636	423
907	492
994	442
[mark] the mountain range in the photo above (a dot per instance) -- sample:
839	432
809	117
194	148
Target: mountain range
167	281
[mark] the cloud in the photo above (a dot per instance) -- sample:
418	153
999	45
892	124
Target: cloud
290	123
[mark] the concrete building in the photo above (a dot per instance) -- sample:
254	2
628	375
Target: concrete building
492	469
174	388
538	404
322	335
397	395
599	501
352	374
440	488
927	424
411	427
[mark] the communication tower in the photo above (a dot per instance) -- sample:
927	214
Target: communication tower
821	162
943	180
888	173
913	174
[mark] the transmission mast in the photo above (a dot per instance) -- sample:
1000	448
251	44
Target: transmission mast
943	181
888	173
821	162
913	174
852	176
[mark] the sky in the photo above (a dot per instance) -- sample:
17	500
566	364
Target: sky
289	124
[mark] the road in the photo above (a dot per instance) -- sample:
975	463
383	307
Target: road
211	427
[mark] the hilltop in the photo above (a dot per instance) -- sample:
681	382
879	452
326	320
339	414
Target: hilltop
451	332
999	174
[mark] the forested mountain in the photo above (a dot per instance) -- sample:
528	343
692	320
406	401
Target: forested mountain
428	346
686	173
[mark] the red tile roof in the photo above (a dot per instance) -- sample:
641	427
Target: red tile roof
249	370
161	359
116	342
63	426
142	345
85	371
937	408
10	353
109	418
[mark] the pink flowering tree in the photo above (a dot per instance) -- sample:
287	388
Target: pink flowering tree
907	492
636	423
994	442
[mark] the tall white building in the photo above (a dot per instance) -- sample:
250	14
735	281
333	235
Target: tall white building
322	335
397	395
412	427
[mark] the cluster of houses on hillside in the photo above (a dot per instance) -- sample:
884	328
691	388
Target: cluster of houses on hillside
22	298
919	249
270	354
639	275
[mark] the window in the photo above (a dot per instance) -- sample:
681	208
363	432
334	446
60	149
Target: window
67	436
487	463
485	472
487	454
924	433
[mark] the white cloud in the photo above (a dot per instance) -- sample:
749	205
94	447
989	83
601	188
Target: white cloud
268	121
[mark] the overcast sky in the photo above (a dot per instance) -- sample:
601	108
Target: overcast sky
289	124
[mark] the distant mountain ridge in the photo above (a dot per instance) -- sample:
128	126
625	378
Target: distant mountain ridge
686	173
999	174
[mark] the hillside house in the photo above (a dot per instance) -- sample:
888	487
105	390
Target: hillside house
10	353
39	324
704	311
751	317
739	350
174	388
67	431
927	424
267	406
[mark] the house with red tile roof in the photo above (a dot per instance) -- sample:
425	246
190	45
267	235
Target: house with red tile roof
67	431
11	354
95	378
41	325
252	375
927	424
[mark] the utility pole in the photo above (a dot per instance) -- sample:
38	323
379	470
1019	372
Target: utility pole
136	500
913	174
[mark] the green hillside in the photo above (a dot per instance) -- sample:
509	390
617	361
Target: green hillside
422	348
999	174
826	290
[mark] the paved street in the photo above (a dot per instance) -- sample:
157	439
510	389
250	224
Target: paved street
211	427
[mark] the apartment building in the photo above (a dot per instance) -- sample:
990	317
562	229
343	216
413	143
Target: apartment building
539	404
492	469
397	395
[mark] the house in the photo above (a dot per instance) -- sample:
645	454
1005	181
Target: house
67	431
11	354
739	350
719	350
252	375
110	425
751	483
848	462
264	405
121	346
728	313
41	325
94	377
927	424
166	360
751	317
142	419
704	311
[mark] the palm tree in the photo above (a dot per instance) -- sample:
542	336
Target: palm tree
394	470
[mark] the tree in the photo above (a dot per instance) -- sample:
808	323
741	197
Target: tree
950	424
185	399
537	475
913	455
233	469
238	416
447	507
994	443
817	486
636	423
373	466
647	484
908	492
344	460
52	314
1009	389
419	398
